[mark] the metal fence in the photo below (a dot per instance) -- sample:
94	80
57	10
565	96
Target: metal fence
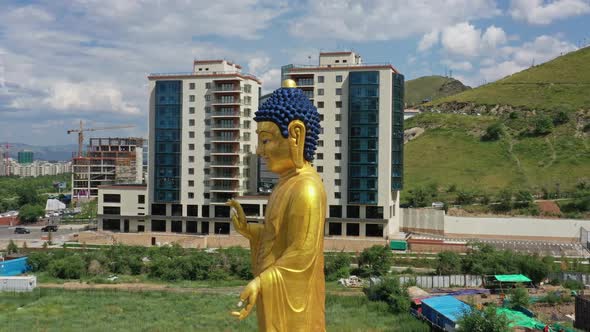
585	238
458	280
578	276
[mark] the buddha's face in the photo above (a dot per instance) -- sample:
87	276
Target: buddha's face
274	148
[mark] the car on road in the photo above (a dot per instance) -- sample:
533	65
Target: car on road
21	230
49	228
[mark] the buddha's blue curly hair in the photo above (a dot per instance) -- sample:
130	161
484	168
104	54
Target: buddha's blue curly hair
286	105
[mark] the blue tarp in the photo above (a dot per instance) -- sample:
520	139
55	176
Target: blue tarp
13	267
444	310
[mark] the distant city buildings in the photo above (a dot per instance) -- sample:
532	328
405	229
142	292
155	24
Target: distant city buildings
25	157
33	169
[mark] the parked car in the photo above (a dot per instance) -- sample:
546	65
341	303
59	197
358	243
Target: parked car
21	230
49	228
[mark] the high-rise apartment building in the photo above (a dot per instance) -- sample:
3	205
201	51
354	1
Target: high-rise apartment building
360	152
201	145
25	157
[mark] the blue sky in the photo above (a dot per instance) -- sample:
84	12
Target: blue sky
65	61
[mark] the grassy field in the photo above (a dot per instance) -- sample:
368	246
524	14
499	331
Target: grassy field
560	83
60	310
451	152
430	87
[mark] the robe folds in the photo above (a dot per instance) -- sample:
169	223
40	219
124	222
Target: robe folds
288	255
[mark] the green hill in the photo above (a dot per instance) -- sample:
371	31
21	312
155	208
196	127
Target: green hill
431	88
542	115
561	83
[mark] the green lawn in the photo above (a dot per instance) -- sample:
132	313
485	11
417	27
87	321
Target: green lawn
60	310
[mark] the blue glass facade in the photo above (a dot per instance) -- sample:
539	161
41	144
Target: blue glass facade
363	137
168	122
397	133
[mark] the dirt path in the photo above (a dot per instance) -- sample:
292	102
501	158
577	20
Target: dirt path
145	287
553	154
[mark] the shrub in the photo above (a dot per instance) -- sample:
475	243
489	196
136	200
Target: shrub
71	267
505	201
11	248
543	125
523	199
573	284
448	262
519	297
486	320
560	117
493	132
237	262
375	261
390	291
465	197
38	261
337	266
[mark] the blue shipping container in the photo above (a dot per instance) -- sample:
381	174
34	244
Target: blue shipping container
14	267
444	311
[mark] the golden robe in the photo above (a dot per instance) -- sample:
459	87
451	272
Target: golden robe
288	255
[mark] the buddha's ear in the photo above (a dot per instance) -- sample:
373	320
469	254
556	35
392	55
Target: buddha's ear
297	142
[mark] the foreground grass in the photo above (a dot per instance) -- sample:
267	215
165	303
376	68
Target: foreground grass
60	310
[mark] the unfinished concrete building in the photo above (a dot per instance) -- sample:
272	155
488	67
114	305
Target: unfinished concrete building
107	161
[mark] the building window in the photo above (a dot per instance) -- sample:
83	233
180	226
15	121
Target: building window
374	230
338	130
191	110
338	156
320	79
320	104
374	212
191	195
337	169
177	210
320	92
191	86
338	105
247	124
339	91
207	97
320	143
352	229
158	226
335	228
321	117
191	183
114	210
159	209
337	182
207	146
191	134
140	199
338	78
208	85
337	61
343	61
337	195
111	198
192	211
191	98
191	147
320	156
338	143
191	159
191	171
191	122
320	169
207	109
353	211
205	196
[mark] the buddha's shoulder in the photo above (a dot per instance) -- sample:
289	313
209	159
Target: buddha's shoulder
308	182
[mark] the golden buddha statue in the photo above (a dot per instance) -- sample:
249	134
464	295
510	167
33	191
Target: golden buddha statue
287	250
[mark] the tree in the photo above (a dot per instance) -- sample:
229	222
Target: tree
543	125
486	320
519	297
12	248
30	213
337	266
524	198
465	197
375	261
493	132
505	198
390	291
448	262
418	197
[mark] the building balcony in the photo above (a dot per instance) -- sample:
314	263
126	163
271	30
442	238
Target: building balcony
221	114
236	88
226	177
226	189
235	101
225	139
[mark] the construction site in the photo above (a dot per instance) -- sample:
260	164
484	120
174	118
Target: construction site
107	161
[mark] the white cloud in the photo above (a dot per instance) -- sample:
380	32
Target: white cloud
464	39
428	40
271	80
545	12
385	19
458	65
500	70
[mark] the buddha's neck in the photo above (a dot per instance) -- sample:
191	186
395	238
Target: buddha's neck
293	171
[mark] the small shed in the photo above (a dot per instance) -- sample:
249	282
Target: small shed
18	284
444	311
501	282
13	267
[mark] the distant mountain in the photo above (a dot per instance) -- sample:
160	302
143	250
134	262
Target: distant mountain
428	88
51	152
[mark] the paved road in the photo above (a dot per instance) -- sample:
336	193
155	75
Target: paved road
7	233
